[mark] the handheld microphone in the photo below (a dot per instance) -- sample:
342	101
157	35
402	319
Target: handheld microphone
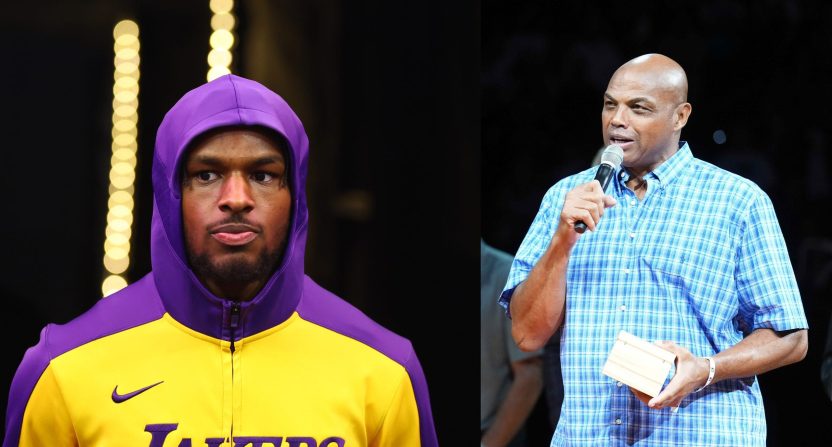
611	159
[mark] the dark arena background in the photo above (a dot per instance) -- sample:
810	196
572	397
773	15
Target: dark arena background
759	76
431	124
388	93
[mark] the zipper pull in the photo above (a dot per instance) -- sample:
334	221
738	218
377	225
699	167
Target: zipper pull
235	316
235	322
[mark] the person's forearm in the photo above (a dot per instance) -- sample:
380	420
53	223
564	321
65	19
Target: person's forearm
763	350
538	303
517	405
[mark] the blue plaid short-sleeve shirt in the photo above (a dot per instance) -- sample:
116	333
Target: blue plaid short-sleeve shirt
701	261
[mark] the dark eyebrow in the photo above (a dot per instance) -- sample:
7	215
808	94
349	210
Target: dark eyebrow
637	99
267	160
202	159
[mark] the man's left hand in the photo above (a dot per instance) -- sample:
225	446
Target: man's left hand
691	373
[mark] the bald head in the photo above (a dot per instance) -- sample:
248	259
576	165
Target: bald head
645	109
657	71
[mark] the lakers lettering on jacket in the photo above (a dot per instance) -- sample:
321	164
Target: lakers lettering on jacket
161	431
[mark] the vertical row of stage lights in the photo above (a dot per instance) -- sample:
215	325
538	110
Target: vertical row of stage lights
123	159
222	38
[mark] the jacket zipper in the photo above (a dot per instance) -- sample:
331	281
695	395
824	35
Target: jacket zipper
233	324
235	321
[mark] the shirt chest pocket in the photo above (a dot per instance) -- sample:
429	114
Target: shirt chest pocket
665	276
687	284
705	271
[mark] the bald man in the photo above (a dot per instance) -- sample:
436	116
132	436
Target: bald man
679	252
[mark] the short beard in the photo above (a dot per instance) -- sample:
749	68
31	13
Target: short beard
235	271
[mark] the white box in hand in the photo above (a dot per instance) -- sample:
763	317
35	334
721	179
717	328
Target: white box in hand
638	363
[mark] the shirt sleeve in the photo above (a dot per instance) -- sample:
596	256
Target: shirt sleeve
768	293
408	422
36	414
535	242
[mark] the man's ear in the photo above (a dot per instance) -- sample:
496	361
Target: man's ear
681	114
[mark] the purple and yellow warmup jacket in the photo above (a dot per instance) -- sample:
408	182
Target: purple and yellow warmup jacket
165	363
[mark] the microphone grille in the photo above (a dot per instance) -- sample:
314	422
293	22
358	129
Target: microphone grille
613	155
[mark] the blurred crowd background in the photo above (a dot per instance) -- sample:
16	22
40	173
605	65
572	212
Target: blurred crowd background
759	76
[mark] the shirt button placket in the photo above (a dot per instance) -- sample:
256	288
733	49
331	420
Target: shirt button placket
631	236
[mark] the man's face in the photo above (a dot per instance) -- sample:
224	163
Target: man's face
236	210
641	117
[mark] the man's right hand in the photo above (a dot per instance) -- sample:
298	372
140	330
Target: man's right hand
585	203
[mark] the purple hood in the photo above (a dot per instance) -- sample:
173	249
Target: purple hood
226	101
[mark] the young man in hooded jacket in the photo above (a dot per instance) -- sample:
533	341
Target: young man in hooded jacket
226	342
